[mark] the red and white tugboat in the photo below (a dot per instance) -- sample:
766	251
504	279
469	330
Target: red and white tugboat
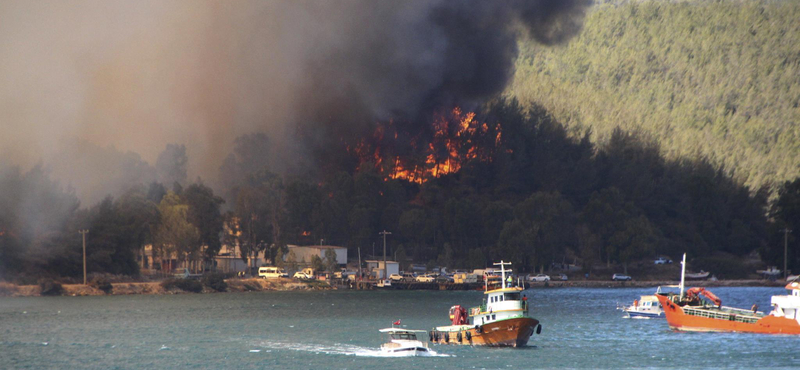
501	321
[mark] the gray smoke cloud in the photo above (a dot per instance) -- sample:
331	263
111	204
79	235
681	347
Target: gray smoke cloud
136	76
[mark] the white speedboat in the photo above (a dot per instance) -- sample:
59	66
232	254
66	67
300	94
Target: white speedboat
404	342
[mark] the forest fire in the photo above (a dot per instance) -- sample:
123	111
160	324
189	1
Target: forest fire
457	138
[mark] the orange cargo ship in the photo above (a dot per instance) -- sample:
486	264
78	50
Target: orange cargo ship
501	321
688	312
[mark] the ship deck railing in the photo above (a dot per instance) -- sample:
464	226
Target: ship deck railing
727	313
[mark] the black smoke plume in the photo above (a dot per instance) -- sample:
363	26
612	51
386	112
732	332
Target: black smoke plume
402	61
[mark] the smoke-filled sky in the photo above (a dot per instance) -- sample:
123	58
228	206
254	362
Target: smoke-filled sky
138	75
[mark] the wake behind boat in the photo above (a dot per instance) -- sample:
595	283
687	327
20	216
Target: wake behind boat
404	342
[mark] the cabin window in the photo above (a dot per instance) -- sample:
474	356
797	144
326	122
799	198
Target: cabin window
501	298
494	317
404	336
512	296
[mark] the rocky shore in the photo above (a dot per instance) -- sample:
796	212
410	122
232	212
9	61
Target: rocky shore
233	285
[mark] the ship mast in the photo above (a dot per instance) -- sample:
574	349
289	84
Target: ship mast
683	272
503	272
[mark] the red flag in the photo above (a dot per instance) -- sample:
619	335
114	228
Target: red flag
396	322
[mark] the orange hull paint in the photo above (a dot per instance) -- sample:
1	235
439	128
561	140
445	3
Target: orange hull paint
679	320
505	333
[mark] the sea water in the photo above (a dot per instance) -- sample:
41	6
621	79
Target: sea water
339	330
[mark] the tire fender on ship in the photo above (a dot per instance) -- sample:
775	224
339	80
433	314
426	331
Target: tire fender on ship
459	337
469	336
538	328
478	329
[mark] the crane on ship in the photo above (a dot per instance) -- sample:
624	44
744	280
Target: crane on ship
693	294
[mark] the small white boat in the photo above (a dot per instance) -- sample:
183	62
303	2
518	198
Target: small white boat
647	307
404	342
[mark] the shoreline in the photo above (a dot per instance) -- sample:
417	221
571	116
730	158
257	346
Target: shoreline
155	288
261	285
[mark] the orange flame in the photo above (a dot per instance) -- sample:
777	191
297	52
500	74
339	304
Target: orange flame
457	138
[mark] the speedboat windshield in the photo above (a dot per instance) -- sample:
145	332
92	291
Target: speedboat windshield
404	336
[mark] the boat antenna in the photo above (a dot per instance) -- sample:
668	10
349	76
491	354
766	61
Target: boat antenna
683	273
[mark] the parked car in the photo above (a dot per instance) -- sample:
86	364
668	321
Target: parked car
425	279
343	274
539	277
662	261
562	277
409	276
395	277
444	278
620	277
302	275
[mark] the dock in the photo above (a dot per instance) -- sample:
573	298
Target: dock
371	284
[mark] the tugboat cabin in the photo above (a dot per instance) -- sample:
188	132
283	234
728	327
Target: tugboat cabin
500	304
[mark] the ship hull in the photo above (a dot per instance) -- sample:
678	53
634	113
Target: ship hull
678	319
504	333
643	315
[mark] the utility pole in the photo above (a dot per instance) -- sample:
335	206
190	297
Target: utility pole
83	234
786	232
385	268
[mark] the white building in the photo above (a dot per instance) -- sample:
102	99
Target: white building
303	254
376	268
